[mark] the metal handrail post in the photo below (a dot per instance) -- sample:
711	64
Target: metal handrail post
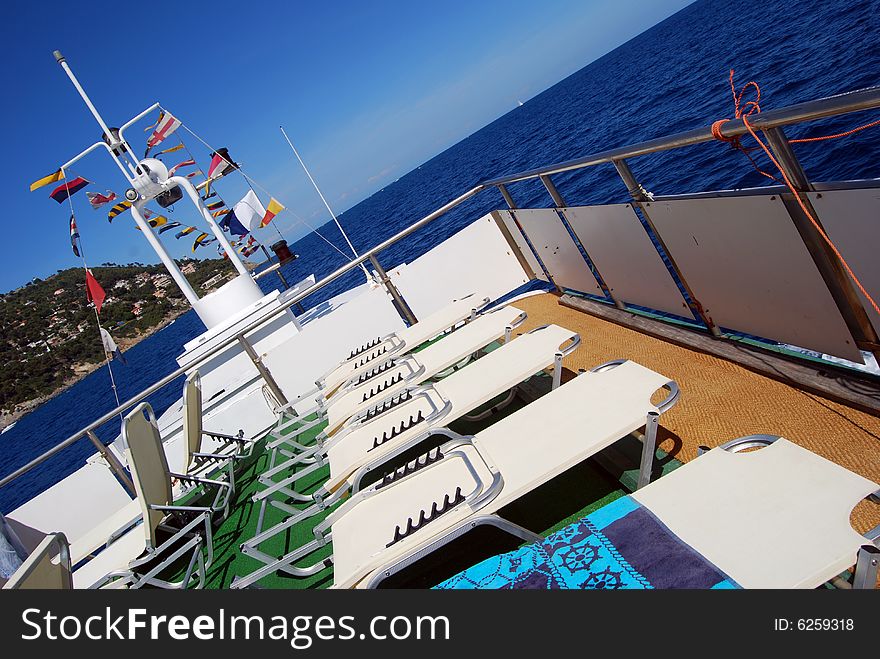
641	200
265	373
829	266
402	307
554	193
559	203
112	462
513	207
508	199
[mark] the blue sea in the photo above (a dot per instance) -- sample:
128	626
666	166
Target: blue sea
670	78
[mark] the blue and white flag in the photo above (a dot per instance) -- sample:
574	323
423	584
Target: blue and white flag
110	346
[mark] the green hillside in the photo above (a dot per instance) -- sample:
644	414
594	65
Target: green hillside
49	326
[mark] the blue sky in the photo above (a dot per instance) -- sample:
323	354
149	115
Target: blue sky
366	90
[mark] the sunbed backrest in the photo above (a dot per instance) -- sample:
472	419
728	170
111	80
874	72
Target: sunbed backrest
148	465
192	417
48	566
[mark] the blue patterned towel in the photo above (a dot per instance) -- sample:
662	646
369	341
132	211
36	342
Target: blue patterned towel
622	545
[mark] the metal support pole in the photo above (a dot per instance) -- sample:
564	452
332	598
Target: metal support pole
278	271
517	252
197	201
557	370
559	202
641	200
512	205
399	302
264	372
867	563
839	285
554	193
507	198
648	450
97	115
113	462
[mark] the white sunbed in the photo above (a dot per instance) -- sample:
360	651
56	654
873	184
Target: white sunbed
402	341
777	517
429	501
356	451
139	556
395	375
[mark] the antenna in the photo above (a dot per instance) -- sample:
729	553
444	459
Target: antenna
332	214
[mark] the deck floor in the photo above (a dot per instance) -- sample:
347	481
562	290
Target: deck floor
721	400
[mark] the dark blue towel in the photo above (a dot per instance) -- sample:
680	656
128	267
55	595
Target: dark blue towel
622	545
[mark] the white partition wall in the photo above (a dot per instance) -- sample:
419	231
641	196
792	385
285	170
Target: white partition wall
622	251
519	239
746	263
557	250
477	259
852	220
327	340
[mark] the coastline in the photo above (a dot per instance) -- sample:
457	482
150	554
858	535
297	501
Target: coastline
84	369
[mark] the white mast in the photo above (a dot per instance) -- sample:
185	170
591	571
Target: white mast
232	296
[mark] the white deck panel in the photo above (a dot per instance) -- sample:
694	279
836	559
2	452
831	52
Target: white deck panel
851	219
624	254
477	260
557	250
75	505
519	239
747	265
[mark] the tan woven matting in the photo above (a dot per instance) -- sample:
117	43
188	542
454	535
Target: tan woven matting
721	400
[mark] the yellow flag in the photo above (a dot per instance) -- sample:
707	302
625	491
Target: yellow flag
274	208
171	150
46	180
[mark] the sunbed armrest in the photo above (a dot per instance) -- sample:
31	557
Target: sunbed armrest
214	456
240	438
201	481
179	509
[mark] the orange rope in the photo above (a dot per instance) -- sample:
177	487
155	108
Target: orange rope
754	108
815	223
741	111
835	136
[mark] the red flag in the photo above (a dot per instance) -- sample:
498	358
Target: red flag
65	190
94	292
96	199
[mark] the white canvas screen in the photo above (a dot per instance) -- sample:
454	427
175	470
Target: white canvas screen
747	265
852	220
521	243
327	340
557	250
477	259
630	264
